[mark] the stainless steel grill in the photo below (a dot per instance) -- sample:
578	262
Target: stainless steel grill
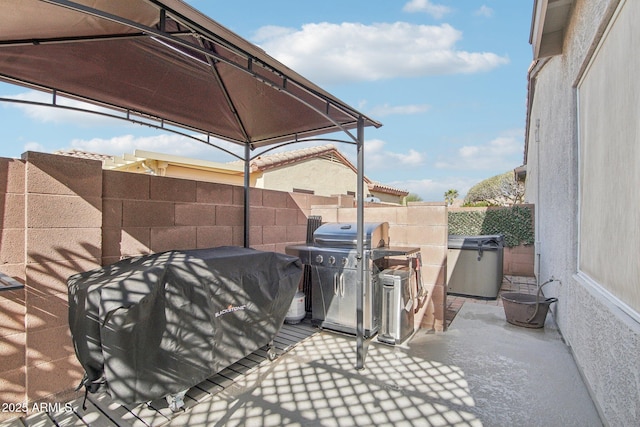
332	256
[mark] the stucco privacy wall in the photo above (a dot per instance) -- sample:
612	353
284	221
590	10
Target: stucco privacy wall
603	334
61	215
422	225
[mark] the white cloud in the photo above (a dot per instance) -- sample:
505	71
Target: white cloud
432	190
435	10
376	157
388	110
169	143
503	152
35	146
348	52
48	114
485	11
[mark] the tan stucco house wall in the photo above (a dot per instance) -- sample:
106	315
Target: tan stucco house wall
321	176
583	170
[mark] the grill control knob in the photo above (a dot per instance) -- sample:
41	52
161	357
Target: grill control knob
344	262
332	260
319	259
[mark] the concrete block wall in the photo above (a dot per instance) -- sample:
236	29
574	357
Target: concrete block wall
147	214
422	225
51	228
519	261
63	213
12	303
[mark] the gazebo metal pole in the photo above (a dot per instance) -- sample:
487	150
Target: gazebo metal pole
247	186
360	356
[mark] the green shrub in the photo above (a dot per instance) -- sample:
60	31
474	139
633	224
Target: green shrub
482	204
515	223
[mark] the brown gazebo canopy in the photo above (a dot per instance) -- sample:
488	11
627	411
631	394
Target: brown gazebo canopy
165	63
164	60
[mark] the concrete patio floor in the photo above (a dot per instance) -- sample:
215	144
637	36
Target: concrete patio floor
482	371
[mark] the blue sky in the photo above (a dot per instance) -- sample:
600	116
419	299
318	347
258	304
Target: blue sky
448	80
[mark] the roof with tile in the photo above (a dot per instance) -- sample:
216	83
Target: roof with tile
84	154
271	161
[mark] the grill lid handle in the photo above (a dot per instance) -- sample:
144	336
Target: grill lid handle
338	242
346	227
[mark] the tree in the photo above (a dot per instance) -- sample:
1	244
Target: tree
499	190
412	197
450	196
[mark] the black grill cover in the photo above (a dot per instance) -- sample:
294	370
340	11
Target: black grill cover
154	325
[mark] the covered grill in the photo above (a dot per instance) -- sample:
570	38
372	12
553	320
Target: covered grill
158	324
333	260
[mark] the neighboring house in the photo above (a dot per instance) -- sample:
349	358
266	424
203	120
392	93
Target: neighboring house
320	170
582	172
148	162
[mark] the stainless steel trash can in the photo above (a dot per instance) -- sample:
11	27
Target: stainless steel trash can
474	265
397	306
